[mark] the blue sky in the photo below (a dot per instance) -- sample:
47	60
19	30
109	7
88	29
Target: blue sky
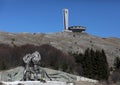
101	17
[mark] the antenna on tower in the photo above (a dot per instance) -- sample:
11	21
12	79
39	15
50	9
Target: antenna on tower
65	19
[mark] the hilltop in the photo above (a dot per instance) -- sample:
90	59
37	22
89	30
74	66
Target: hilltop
66	41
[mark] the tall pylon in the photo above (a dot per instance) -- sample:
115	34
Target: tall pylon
65	19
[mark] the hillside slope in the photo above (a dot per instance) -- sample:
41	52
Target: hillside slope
66	41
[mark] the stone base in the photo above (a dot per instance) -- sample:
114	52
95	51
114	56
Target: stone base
35	83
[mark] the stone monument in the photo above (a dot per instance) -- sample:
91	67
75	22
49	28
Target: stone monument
32	67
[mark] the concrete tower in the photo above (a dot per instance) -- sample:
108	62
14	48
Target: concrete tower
65	19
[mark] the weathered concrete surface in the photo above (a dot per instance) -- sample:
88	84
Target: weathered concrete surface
16	74
83	83
35	83
46	83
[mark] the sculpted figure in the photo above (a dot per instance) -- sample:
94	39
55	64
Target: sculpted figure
27	60
32	67
36	61
32	71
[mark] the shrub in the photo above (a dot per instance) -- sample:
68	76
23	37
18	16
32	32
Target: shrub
117	63
115	77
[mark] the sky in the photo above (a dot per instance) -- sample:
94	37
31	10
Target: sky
100	17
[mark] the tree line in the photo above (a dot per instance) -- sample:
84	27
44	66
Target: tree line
93	64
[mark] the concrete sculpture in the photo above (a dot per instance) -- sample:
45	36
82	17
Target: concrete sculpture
32	67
